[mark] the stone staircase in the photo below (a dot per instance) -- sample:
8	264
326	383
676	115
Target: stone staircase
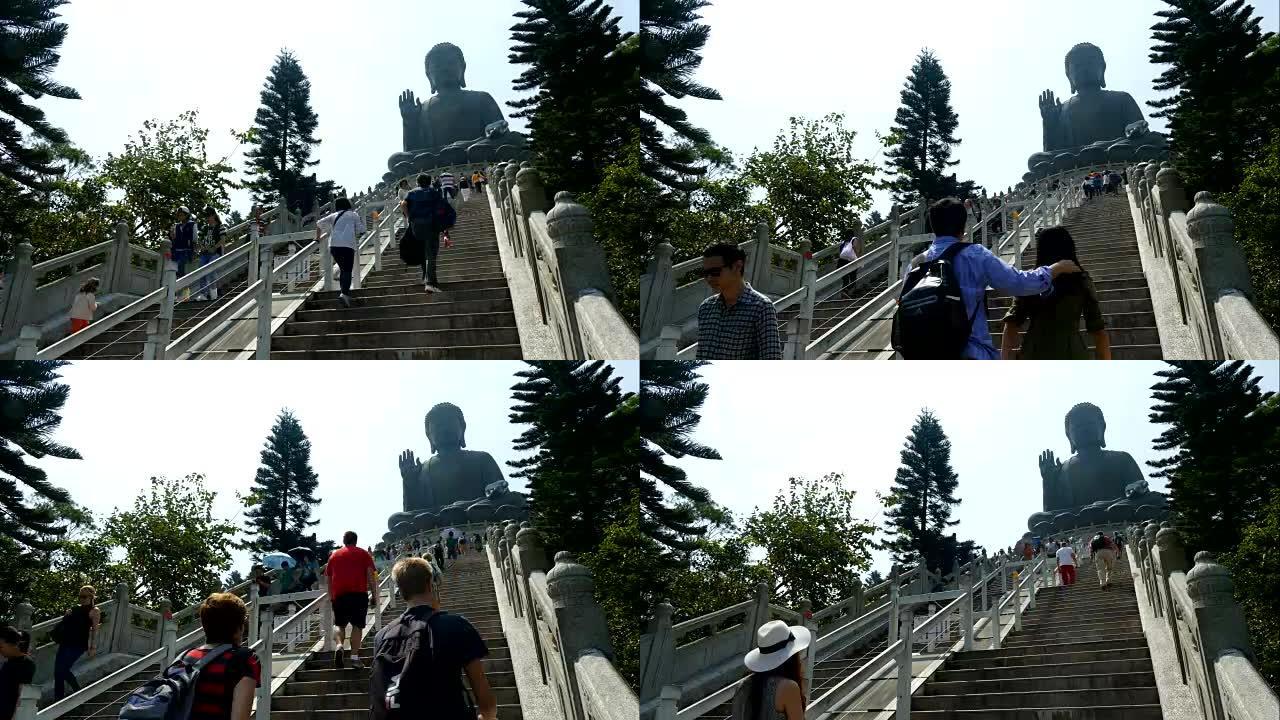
127	341
1081	655
320	692
472	319
109	703
828	313
1108	249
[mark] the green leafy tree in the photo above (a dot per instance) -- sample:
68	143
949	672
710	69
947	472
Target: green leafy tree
813	184
282	138
1257	227
165	166
1255	569
874	578
922	137
671	43
32	400
579	122
579	484
671	397
174	547
31	37
1222	92
721	205
918	506
278	509
49	579
623	214
622	568
1224	461
814	545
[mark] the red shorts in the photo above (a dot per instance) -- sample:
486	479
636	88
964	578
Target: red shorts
77	324
1068	574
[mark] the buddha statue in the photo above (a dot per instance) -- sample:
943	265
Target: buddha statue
1093	116
453	118
1094	484
453	480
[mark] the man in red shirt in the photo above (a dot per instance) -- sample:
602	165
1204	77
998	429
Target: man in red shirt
350	573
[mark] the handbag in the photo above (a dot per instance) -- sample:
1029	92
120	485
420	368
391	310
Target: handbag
411	250
846	251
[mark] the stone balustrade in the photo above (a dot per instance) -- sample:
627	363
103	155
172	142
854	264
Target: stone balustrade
568	627
1195	600
1195	249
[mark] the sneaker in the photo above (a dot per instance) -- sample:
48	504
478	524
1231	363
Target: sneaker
346	301
433	288
339	658
428	287
356	664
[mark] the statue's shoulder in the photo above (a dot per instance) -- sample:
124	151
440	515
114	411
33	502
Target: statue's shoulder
1118	456
477	455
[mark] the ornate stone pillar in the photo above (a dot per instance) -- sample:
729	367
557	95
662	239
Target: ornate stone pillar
18	292
1220	621
1221	261
580	621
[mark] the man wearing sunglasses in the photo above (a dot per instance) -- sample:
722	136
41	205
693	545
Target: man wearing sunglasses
737	322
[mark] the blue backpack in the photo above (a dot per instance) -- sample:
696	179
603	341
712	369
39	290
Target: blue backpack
169	697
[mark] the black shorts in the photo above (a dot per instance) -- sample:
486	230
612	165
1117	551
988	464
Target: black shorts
350	609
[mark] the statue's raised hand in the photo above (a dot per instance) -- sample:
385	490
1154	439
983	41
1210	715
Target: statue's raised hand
1049	466
1049	105
408	103
410	466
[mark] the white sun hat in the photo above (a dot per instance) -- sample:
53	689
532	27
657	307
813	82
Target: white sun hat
776	642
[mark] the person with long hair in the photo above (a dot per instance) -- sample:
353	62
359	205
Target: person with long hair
18	668
775	688
1054	316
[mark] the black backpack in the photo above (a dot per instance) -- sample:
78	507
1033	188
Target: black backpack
930	322
169	697
411	249
401	668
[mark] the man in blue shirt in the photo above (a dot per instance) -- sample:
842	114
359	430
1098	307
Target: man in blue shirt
976	269
420	208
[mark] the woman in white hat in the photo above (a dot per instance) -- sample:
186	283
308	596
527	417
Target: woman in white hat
774	691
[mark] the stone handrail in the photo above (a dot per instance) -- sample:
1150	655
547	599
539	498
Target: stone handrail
566	265
1195	601
1195	249
570	635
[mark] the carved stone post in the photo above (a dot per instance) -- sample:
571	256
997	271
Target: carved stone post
760	264
657	292
1173	558
169	280
267	273
509	531
532	197
859	599
580	621
810	655
118	279
121	625
18	292
28	343
966	610
169	638
895	219
893	603
267	633
533	558
668	702
580	260
905	616
1221	261
657	660
28	702
1220	620
809	281
759	614
23	619
1149	542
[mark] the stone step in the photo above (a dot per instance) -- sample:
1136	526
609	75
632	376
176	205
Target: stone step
1116	320
434	308
1037	712
1081	634
332	700
505	712
1052	624
1085	668
425	322
1044	699
1149	336
477	352
399	339
1108	307
418	296
1064	653
366	292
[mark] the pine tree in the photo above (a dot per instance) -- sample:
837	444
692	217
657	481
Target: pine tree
32	402
583	72
918	508
31	37
1220	111
582	433
670	398
671	42
278	510
1224	460
283	135
923	135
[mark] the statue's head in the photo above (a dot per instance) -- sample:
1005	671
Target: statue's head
446	67
446	428
1086	427
1086	68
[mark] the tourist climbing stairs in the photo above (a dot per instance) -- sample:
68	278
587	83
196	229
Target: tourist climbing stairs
318	691
1107	247
1080	654
395	318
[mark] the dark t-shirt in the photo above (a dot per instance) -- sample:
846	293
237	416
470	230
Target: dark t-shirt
14	673
422	204
455	644
216	687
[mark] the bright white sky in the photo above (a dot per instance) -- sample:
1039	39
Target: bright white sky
812	57
771	421
134	60
131	421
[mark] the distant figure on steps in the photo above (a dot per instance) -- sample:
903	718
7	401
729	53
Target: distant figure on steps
1104	557
350	571
345	225
84	305
421	206
1067	565
1055	314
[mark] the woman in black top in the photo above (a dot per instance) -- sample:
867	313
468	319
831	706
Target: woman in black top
77	632
18	669
1055	316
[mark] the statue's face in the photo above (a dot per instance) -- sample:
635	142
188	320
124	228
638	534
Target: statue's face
1084	432
444	432
445	72
1086	72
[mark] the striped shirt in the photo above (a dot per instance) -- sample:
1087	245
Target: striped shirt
218	680
446	180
